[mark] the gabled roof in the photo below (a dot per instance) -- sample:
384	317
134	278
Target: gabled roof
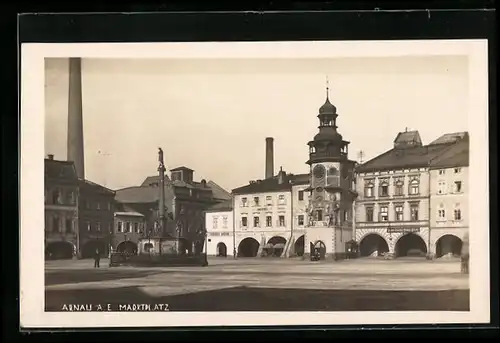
137	195
63	170
224	206
272	184
408	137
218	192
181	168
456	156
155	179
95	187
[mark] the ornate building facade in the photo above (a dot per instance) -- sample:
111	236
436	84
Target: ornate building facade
394	205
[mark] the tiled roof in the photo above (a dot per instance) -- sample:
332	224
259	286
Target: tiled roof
450	137
217	191
155	179
456	156
419	156
272	184
64	170
222	206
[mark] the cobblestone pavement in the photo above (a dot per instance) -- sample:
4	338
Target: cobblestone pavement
359	274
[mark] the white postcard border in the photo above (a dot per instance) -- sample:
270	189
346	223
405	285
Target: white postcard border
32	296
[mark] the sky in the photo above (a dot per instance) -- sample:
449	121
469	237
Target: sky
213	115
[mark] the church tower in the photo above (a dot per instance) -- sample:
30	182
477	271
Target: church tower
331	189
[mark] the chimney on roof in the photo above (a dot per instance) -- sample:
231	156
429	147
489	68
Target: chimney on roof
269	157
50	157
281	176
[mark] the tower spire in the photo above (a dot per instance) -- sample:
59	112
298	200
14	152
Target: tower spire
327	87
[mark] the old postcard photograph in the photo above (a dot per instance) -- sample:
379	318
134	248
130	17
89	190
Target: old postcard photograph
258	183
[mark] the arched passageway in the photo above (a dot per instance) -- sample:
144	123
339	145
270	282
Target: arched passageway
221	250
248	247
275	246
184	246
59	251
373	245
410	245
448	245
320	247
148	247
299	246
89	249
127	247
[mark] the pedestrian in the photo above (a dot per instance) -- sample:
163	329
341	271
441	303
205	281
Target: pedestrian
97	258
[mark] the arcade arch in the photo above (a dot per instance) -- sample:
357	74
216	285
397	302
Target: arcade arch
299	246
127	247
448	244
410	244
248	247
59	250
275	246
373	245
319	246
221	250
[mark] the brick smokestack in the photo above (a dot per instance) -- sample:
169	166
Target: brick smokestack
75	118
269	157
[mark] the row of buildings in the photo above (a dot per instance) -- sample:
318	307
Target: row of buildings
82	217
410	200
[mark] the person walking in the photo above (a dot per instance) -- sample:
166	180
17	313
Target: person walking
97	259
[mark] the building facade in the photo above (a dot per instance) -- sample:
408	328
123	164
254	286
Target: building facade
219	224
393	208
61	209
128	228
185	203
96	218
449	216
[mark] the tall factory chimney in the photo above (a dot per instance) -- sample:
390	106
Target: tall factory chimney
269	157
75	119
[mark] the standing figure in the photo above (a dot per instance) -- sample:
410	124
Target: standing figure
97	259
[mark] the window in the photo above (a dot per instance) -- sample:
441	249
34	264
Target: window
369	214
70	198
256	222
120	227
442	213
458	213
69	225
87	205
55	224
301	195
56	196
384	213
399	212
244	202
458	170
109	206
269	200
301	220
224	222
98	205
215	221
256	201
441	172
458	186
346	215
369	190
319	214
414	212
98	226
244	221
398	189
128	228
414	187
281	199
384	189
282	221
269	221
89	226
136	227
441	187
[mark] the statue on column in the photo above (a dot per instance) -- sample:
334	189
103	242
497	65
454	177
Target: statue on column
160	156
